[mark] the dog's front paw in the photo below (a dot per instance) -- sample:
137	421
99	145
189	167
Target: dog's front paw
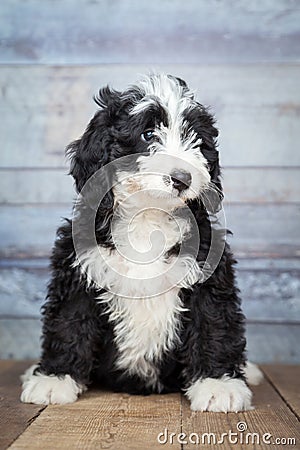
219	395
49	389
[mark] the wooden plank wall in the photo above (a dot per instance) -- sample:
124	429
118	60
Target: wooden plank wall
242	58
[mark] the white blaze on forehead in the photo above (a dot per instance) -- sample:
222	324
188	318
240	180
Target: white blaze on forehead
168	92
177	139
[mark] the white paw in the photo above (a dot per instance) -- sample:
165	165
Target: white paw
253	374
49	389
219	395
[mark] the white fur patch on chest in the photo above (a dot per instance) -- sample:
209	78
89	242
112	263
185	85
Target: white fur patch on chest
142	286
138	267
144	330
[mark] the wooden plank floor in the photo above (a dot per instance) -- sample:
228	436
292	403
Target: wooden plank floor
103	420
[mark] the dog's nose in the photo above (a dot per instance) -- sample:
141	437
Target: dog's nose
181	179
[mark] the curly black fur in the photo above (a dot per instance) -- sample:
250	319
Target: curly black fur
78	339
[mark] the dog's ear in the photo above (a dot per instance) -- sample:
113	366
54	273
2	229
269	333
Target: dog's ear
93	151
108	99
204	124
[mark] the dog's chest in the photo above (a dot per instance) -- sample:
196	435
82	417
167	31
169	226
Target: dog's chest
145	236
140	266
144	331
142	285
146	320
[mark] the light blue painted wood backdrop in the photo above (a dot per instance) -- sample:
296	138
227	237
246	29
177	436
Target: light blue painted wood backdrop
241	57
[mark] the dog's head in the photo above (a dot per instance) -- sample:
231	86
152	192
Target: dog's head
163	140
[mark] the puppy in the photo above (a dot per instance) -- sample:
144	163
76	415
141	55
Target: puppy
142	297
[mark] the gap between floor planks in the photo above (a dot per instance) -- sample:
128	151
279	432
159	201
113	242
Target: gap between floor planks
120	421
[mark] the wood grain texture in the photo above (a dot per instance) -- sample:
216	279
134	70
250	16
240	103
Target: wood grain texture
287	381
14	415
101	31
271	415
103	420
49	106
241	185
106	420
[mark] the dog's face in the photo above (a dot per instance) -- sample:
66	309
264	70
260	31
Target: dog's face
170	164
169	136
145	167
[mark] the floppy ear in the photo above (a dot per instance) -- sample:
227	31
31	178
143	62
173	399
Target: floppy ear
92	152
204	124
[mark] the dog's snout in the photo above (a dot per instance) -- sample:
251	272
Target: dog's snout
181	179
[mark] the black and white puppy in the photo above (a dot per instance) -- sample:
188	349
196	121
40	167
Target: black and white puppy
129	305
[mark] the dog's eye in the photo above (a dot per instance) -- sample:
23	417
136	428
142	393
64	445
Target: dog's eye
148	135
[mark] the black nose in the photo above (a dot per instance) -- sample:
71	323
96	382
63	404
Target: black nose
181	179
